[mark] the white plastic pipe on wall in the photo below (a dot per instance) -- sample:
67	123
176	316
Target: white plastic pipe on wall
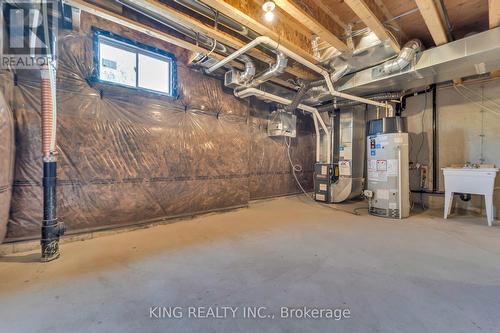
278	47
281	100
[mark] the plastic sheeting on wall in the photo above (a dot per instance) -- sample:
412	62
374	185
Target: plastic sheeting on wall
7	155
126	160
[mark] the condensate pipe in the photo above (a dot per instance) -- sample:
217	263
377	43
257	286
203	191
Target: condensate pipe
278	47
281	100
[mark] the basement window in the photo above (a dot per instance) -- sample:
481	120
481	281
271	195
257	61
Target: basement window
123	62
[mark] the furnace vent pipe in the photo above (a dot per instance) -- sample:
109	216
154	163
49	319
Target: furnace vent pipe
404	58
278	47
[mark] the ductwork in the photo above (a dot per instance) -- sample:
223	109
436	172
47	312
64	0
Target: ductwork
338	74
322	156
473	55
264	40
351	157
299	96
407	54
276	69
319	92
249	72
325	55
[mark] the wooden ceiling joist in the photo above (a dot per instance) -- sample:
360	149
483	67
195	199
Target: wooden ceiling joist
388	16
325	28
252	23
433	21
494	13
221	36
331	14
366	11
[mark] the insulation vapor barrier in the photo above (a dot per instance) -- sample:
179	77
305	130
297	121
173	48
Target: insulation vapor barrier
127	157
7	148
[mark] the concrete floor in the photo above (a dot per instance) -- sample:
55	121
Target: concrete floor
419	275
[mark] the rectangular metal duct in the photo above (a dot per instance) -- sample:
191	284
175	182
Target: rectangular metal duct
477	54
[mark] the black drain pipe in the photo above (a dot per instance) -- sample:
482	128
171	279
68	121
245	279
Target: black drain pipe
51	228
435	162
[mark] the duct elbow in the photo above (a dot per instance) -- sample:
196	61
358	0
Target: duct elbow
276	69
249	72
281	63
340	73
404	58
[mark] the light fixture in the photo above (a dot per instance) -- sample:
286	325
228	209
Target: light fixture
269	16
268	7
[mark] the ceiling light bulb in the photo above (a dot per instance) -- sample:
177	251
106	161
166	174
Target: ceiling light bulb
268	6
269	16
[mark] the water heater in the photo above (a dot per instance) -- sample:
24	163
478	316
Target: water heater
388	188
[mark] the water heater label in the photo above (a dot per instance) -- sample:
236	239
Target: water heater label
381	165
372	164
377	176
392	167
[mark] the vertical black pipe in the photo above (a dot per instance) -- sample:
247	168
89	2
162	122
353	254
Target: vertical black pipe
51	229
435	166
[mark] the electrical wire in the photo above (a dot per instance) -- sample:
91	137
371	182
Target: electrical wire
295	167
480	95
474	102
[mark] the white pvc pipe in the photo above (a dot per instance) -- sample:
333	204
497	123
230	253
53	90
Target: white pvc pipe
400	201
281	100
318	139
275	45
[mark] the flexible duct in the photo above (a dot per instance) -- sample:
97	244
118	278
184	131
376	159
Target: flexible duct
276	69
404	58
48	113
299	96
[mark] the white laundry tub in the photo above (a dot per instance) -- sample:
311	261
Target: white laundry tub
471	181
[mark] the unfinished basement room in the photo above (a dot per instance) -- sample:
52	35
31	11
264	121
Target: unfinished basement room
250	166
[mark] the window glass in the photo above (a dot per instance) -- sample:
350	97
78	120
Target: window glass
154	73
132	64
117	65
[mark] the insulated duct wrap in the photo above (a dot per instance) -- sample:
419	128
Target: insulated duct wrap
127	158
